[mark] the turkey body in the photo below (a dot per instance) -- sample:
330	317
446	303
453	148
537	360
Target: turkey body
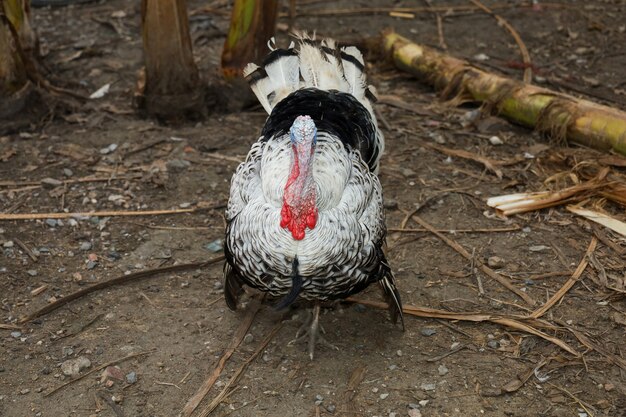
325	242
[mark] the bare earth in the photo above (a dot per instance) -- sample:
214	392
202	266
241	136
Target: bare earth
179	320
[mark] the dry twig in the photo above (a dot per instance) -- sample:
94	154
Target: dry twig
233	379
569	283
488	271
242	330
123	279
528	72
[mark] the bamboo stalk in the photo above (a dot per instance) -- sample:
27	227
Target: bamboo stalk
562	116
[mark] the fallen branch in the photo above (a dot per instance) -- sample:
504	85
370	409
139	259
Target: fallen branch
569	283
561	115
245	324
123	279
114	362
35	216
489	164
512	322
233	379
488	271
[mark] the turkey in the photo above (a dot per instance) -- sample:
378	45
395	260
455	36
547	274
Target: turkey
305	216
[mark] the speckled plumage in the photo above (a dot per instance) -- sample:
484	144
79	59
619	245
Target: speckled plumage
342	254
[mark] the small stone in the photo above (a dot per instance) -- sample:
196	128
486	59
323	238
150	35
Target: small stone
608	387
218	285
112	147
266	357
442	369
50	183
72	367
481	57
393	414
177	165
423	403
390	204
384	395
249	338
374	390
117	398
428	332
428	386
399	352
112	373
51	222
131	377
526	229
67	351
494	140
495	262
331	408
32	272
538	248
184	205
24	391
92	264
414	412
85	246
493	344
413	406
16	334
393	367
8	244
67	172
215	246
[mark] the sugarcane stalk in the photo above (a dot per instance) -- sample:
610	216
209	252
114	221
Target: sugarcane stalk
252	24
561	116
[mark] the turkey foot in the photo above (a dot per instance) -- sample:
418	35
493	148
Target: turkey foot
311	328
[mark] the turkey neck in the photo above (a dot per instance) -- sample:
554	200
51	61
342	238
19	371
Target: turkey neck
299	201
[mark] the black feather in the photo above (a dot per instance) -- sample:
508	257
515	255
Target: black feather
296	287
335	112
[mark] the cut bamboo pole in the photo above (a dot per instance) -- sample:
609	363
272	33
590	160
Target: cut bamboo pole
562	116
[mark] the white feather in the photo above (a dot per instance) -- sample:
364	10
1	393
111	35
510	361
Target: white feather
261	88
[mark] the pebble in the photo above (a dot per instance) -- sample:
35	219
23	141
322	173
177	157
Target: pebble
538	248
526	229
24	391
67	351
399	352
32	272
413	406
428	332
8	244
384	395
92	264
249	338
72	367
85	246
16	334
184	205
423	403
393	414
218	285
374	390
393	367
67	172
494	140
390	204
414	412
442	370
493	344
177	165
331	408
481	57
215	246
52	222
112	147
51	183
428	386
495	262
131	377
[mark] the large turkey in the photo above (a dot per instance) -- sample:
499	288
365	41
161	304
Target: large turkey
305	214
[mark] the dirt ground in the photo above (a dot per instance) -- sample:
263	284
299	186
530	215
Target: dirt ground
104	157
